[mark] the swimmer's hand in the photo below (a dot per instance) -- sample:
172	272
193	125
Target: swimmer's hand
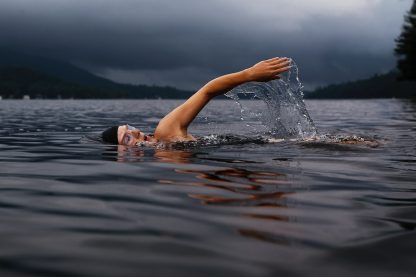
267	70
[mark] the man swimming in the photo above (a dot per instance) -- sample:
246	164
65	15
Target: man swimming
174	126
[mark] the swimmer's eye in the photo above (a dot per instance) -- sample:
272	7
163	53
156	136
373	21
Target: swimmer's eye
127	139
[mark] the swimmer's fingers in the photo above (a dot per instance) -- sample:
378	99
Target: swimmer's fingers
273	60
276	59
280	70
280	64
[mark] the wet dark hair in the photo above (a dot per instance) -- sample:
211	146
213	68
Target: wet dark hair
110	135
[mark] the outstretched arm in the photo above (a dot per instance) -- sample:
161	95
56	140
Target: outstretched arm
175	124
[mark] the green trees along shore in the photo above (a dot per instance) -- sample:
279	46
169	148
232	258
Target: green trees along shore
18	82
41	77
406	47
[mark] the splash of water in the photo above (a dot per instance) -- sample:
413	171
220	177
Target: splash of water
285	115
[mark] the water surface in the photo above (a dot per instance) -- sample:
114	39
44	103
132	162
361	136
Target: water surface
70	206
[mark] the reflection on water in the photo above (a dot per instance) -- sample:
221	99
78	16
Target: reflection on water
269	238
173	156
226	186
248	185
259	189
70	206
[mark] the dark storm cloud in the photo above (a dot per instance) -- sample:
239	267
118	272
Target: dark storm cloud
184	42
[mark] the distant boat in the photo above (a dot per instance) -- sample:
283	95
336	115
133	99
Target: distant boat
26	97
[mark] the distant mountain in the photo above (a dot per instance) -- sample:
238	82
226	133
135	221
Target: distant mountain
62	70
16	82
378	86
24	74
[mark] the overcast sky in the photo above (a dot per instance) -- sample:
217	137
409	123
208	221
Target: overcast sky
184	43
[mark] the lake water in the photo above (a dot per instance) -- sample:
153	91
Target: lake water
70	206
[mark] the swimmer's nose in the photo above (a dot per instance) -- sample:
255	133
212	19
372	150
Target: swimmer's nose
137	134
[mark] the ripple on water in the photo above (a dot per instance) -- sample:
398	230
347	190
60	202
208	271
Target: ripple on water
238	205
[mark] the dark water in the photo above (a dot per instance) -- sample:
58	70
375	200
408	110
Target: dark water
72	207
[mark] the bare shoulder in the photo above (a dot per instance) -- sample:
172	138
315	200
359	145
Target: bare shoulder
169	131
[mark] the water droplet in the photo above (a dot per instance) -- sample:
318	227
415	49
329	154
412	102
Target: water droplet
285	113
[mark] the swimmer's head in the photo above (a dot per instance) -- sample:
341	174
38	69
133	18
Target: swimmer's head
110	135
124	135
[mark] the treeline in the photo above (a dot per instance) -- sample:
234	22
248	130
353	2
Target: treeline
15	82
406	47
378	86
400	84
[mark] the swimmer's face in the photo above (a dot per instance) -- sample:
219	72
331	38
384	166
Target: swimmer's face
128	135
